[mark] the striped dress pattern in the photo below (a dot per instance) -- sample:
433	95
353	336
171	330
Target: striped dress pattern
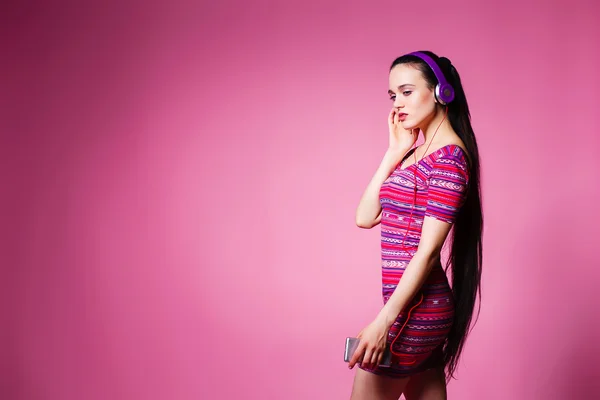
441	178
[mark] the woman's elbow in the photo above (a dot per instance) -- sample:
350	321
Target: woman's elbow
363	224
368	224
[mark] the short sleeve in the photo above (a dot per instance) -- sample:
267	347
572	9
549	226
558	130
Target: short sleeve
447	191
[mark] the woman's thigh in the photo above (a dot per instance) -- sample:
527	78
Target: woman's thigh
427	385
369	386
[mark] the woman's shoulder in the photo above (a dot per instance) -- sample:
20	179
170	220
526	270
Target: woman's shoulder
455	150
453	159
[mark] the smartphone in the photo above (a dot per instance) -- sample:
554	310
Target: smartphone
352	345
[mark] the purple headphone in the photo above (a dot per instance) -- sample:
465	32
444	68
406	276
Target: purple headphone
444	92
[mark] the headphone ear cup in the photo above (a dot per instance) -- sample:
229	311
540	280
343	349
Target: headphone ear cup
445	93
436	95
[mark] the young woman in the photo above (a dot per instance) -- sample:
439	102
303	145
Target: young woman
418	195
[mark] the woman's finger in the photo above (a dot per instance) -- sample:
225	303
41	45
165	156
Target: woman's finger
374	358
379	358
367	358
357	356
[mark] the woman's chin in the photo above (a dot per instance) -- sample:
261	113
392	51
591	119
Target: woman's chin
408	125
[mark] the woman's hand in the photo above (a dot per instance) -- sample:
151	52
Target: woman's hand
400	139
371	346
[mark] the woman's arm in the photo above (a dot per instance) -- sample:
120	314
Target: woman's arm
368	212
373	337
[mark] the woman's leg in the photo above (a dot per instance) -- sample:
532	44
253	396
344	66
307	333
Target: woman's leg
427	385
369	386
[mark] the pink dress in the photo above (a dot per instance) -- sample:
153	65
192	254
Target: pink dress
442	178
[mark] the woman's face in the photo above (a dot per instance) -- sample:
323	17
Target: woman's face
412	98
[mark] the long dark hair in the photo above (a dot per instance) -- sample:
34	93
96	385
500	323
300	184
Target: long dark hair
466	255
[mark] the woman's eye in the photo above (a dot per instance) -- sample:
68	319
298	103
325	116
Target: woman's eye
392	98
406	92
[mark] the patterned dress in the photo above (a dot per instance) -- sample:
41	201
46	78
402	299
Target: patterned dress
442	178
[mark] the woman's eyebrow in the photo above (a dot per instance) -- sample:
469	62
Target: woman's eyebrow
400	87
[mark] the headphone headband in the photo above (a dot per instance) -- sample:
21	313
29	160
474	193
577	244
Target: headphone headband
444	92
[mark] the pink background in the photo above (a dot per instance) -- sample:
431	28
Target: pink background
180	183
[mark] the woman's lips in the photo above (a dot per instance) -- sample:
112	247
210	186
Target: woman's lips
402	116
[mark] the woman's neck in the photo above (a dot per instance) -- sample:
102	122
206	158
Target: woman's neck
444	131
